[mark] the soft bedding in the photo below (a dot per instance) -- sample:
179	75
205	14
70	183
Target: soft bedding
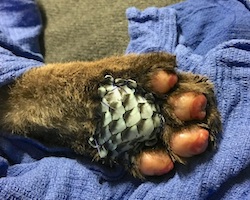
210	37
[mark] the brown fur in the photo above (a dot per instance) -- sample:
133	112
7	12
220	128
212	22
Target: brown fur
56	103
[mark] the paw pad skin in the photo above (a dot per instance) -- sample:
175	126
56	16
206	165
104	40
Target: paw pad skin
129	119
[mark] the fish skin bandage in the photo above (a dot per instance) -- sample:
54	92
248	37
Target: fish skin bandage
129	119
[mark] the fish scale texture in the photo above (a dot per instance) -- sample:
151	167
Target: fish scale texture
209	37
129	119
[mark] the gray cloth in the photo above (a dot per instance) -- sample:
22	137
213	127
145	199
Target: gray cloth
83	30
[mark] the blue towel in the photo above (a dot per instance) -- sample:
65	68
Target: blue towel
210	37
20	26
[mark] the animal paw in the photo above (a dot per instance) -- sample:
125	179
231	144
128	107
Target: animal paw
192	122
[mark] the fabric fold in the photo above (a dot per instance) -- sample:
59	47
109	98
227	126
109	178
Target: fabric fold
152	30
218	47
20	27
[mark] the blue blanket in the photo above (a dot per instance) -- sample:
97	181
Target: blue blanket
210	37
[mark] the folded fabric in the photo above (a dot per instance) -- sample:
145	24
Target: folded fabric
20	26
209	37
